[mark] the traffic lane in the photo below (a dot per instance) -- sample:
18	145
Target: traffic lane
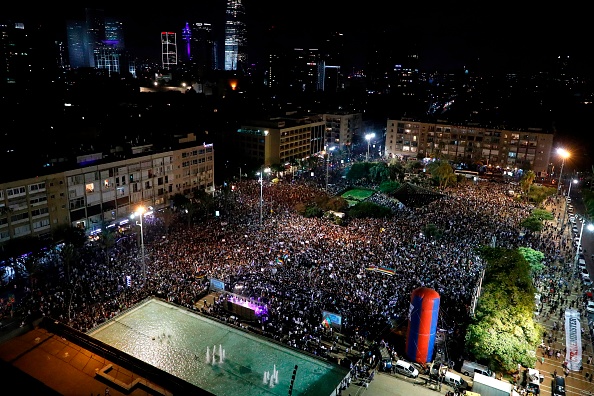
587	237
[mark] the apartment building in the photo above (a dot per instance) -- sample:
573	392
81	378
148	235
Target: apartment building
31	206
105	191
508	149
341	127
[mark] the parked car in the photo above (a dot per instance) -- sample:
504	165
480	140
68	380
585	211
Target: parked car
404	367
590	306
559	386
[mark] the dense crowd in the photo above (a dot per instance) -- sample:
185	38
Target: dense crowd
298	266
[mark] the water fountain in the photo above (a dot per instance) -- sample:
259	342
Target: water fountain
318	377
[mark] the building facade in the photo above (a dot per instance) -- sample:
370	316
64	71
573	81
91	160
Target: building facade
88	196
168	50
200	46
32	206
507	149
341	127
98	42
282	140
235	36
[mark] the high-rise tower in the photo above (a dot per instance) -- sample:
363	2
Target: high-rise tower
114	32
200	45
96	42
95	33
235	36
78	56
168	49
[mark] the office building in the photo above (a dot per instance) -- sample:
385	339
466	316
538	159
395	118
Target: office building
108	57
97	42
307	70
235	36
99	190
471	144
282	140
168	50
199	46
15	57
114	32
77	55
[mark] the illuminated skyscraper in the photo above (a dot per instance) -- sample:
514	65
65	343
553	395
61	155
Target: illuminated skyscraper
168	49
78	57
187	37
235	36
96	42
95	33
199	45
114	32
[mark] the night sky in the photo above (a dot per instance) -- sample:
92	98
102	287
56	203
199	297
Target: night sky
449	35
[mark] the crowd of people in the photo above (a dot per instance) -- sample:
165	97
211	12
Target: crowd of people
297	266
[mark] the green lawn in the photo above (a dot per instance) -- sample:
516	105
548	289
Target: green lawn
357	195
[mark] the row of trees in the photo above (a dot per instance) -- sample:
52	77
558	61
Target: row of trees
503	332
535	222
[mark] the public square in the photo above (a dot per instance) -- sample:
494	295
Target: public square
301	266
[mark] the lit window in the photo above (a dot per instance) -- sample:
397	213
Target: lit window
90	187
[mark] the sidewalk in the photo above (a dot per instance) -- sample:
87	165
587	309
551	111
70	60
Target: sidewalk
557	299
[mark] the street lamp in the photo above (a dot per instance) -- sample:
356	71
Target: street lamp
579	244
368	137
330	149
564	154
140	212
574	181
262	192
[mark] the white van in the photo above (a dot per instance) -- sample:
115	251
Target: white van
406	368
469	368
455	380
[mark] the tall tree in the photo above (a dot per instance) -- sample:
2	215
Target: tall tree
107	240
357	171
527	180
167	217
443	172
503	331
534	258
379	172
396	170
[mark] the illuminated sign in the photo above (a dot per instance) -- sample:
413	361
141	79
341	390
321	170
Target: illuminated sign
331	319
217	284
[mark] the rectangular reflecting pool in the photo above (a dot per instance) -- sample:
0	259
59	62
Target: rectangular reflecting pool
220	359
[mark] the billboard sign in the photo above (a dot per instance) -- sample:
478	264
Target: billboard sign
331	319
573	339
216	284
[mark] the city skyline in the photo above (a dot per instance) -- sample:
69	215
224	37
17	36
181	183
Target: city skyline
448	37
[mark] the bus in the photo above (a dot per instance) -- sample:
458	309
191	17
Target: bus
467	173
